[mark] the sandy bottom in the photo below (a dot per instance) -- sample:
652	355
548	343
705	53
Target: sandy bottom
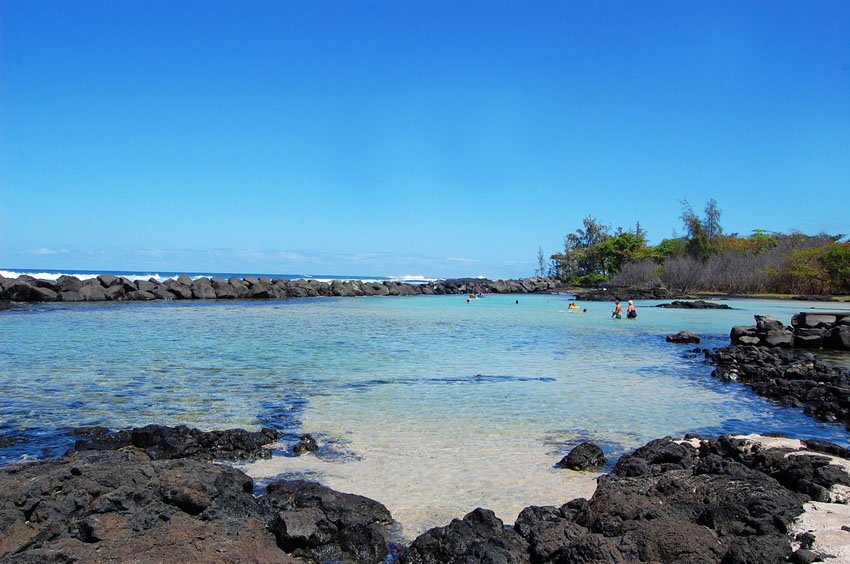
427	484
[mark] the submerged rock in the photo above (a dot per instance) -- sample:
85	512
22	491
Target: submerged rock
683	337
306	444
586	456
160	441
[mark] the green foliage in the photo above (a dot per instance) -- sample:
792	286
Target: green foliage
589	280
668	248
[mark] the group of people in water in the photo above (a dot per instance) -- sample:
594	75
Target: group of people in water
631	311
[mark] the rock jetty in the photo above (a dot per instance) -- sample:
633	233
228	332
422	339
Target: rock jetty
695	304
113	288
729	499
795	378
826	330
622	294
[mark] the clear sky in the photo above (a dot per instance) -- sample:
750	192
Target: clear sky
408	138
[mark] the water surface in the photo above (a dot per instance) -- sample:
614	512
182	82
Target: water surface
429	404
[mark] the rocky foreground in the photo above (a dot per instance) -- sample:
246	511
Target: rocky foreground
113	288
151	495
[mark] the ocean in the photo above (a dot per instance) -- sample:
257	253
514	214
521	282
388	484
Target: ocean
431	405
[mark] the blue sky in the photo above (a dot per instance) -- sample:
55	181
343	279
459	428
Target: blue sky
403	138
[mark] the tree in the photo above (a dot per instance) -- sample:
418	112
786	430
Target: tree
703	234
541	263
580	256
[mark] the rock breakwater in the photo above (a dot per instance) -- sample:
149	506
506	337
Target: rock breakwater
113	288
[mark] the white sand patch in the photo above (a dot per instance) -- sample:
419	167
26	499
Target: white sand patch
767	443
824	521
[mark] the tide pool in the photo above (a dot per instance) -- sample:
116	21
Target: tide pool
429	404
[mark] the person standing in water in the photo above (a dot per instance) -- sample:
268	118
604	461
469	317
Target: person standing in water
618	310
631	311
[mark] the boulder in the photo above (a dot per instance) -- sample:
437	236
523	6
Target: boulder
115	292
18	291
163	293
239	288
306	444
766	323
223	289
69	283
202	289
683	337
107	280
808	338
319	524
586	456
749	340
180	291
837	338
92	293
479	537
147	285
184	279
779	338
42	294
70	296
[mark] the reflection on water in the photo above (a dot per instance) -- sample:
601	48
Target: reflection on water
431	405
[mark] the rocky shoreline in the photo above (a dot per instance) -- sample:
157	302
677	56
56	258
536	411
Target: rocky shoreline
726	499
107	288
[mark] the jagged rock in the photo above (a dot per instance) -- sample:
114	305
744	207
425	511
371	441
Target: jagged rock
586	456
683	337
794	378
479	537
202	289
121	506
180	291
306	444
69	283
92	293
107	280
41	294
766	323
317	523
838	338
779	338
160	441
147	286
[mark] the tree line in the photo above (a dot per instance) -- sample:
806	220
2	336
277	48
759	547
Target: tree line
704	258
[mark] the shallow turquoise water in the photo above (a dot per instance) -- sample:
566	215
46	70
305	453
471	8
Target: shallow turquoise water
492	379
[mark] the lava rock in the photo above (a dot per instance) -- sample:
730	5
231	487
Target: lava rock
683	337
306	444
586	456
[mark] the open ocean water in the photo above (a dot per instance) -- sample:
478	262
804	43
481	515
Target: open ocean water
429	404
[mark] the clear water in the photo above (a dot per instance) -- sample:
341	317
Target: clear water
429	404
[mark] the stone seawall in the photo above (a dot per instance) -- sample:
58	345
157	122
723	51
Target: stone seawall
808	330
115	288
